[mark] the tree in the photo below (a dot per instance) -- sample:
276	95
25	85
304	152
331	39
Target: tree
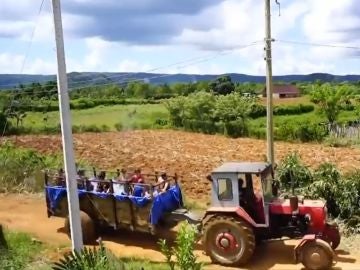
15	112
330	99
4	123
222	85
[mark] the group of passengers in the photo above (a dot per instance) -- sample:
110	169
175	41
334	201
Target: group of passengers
124	184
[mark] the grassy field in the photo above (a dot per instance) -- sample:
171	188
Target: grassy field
145	116
130	116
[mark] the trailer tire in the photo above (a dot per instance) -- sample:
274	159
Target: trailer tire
87	228
228	241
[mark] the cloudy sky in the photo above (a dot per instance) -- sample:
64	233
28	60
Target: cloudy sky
181	36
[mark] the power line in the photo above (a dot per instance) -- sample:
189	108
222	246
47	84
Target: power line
317	44
26	56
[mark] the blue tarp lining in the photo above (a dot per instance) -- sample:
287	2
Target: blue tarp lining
162	203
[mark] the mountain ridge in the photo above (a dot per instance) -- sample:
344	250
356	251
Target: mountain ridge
77	79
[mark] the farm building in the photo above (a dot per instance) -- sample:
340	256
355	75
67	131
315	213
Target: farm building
283	91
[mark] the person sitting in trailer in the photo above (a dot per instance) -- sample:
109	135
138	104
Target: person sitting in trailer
137	177
81	179
102	186
121	185
60	178
162	185
122	175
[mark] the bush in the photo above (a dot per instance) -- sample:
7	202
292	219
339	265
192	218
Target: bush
292	173
207	127
89	259
257	110
235	129
257	132
341	192
304	131
293	109
119	126
184	249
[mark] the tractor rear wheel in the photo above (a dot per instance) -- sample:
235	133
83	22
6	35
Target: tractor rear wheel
87	227
228	241
317	255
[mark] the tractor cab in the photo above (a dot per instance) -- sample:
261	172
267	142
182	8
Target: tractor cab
247	185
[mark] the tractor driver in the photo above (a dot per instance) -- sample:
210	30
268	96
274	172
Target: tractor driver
242	190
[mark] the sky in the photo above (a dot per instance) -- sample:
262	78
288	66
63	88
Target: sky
181	36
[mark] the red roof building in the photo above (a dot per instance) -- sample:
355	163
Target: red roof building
284	91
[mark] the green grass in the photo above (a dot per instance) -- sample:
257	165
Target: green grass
21	251
24	253
130	116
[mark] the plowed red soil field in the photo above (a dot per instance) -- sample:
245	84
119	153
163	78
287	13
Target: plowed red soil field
191	155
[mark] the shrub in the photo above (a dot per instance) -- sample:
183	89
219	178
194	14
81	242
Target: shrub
292	173
257	132
304	131
161	122
293	109
207	127
119	126
235	129
257	110
184	249
89	259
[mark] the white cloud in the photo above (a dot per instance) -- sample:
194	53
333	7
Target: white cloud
12	63
132	66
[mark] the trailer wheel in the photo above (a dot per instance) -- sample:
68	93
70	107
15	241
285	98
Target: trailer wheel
317	255
87	227
228	241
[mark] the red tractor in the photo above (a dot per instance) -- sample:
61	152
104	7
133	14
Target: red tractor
245	209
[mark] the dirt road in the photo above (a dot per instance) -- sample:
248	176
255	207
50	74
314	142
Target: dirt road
27	213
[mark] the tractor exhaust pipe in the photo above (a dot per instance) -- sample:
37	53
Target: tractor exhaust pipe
294	204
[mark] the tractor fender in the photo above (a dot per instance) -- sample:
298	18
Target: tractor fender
238	211
306	239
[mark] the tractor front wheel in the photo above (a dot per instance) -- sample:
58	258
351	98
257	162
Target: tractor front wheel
317	255
87	227
228	241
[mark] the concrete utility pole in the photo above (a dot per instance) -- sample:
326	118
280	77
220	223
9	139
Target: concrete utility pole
67	139
269	86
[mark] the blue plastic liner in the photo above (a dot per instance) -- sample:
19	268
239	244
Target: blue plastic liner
162	203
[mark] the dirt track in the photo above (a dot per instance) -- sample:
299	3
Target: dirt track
27	213
192	155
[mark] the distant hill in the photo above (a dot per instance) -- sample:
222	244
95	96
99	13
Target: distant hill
77	79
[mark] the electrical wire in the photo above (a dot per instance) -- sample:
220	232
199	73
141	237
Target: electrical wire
317	44
25	58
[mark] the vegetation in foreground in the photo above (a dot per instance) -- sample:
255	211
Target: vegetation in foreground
18	251
340	191
102	259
